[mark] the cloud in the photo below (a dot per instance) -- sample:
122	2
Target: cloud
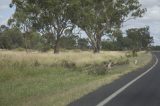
4	22
149	3
151	18
1	16
152	14
4	4
5	11
2	7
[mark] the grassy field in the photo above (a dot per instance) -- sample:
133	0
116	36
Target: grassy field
45	79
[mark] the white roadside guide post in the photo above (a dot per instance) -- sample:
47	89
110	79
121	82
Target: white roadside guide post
136	62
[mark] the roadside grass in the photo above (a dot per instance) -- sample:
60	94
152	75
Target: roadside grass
50	59
41	79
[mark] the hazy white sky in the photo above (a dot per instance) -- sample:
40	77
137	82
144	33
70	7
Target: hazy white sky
5	11
151	18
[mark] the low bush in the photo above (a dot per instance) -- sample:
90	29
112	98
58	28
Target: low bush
96	69
102	68
67	64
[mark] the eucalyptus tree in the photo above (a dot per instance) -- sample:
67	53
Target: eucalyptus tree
10	38
46	16
99	17
140	38
21	20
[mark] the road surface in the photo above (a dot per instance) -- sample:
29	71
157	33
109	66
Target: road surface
139	88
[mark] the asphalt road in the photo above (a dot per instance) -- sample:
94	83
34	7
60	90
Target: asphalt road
139	88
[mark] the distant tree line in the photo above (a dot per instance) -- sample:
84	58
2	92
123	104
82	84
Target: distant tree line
13	38
136	39
156	48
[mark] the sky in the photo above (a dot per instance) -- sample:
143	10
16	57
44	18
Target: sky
151	17
5	11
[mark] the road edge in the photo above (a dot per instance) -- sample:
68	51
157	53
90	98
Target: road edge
108	99
97	96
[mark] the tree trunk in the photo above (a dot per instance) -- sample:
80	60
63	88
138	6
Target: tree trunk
25	43
95	50
97	46
56	46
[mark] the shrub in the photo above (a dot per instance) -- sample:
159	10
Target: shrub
121	62
20	49
36	63
128	54
68	64
97	71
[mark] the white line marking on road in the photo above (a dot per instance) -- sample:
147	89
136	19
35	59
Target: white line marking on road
108	99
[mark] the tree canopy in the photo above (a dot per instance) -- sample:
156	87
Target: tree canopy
99	17
96	17
140	38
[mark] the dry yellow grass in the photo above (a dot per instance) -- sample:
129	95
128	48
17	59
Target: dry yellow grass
79	58
23	83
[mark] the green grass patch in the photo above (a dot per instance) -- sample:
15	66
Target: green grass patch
37	80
